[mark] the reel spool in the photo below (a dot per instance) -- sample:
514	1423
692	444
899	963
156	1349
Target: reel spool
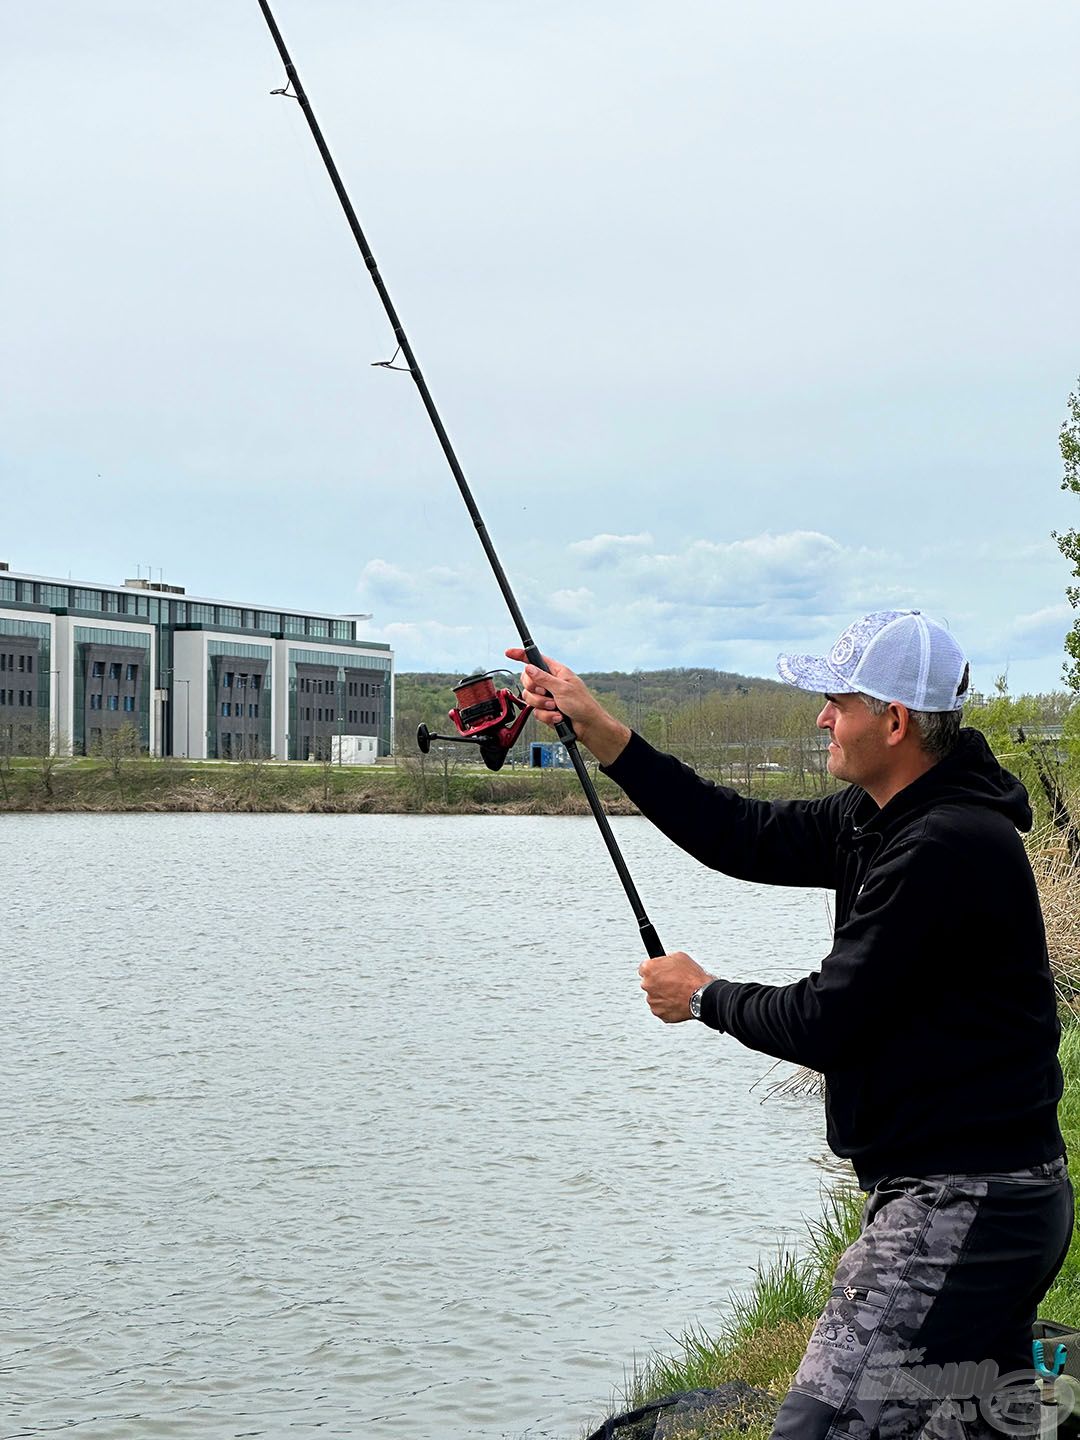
483	716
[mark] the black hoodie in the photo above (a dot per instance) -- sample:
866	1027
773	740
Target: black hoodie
933	1016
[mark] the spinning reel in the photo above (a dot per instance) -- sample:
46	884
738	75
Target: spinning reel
482	716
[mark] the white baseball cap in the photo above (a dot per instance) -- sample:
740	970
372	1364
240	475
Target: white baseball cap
896	655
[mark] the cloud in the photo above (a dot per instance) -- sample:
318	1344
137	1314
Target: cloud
1040	633
606	549
379	580
624	602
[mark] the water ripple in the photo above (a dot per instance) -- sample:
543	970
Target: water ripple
324	1125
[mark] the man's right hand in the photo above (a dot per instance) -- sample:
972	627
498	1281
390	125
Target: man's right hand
558	693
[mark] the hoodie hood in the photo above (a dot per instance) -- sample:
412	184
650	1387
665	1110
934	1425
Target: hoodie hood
969	774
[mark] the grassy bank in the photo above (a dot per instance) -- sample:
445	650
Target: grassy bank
254	787
264	787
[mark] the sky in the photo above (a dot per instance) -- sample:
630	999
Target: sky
743	319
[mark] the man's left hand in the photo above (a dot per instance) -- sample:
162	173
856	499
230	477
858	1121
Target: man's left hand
668	982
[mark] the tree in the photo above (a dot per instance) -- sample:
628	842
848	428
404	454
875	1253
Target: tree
1069	541
118	746
47	746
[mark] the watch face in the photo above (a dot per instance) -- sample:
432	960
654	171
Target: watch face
695	1005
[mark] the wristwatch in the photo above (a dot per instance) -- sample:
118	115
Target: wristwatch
695	1001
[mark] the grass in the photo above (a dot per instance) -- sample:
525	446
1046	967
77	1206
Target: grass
93	785
404	787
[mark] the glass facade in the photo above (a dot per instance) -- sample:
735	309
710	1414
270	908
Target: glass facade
87	635
42	633
339	661
261	697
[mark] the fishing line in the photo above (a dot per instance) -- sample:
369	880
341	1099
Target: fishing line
404	359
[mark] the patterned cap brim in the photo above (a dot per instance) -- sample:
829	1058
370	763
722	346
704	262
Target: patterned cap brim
811	672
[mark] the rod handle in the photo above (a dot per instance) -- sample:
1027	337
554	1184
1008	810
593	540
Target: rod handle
649	938
565	728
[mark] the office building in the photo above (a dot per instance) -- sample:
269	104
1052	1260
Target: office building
185	676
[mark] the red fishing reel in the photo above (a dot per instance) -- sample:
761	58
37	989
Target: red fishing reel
483	716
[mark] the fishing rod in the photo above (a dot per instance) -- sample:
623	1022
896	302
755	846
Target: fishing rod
564	729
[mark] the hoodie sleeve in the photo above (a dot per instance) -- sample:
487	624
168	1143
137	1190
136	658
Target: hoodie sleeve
828	1019
786	842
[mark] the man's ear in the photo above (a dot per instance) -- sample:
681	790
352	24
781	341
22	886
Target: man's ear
899	723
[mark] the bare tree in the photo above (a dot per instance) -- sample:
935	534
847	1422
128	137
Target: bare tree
119	746
47	748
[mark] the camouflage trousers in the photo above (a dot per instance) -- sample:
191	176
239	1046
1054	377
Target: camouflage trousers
927	1333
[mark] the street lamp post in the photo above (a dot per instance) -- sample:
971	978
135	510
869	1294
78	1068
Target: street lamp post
187	717
54	705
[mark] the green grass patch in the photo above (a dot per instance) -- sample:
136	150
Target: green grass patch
92	784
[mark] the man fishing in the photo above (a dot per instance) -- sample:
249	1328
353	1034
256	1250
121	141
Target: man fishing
932	1018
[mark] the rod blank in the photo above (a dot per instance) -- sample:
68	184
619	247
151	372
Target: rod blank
564	729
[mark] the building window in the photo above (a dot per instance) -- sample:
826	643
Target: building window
114	670
226	683
241	681
132	671
95	702
114	702
228	616
129	703
226	708
253	712
30	664
255	682
98	669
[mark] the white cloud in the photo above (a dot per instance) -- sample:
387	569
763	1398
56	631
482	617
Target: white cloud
732	603
606	549
379	580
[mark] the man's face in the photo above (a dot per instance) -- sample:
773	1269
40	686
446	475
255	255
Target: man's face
859	752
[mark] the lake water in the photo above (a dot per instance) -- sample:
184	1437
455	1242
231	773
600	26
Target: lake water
360	1126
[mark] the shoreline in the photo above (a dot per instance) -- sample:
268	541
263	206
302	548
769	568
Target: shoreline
99	786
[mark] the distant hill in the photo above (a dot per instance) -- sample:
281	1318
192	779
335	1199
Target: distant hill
657	688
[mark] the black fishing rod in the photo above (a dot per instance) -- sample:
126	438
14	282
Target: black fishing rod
564	729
